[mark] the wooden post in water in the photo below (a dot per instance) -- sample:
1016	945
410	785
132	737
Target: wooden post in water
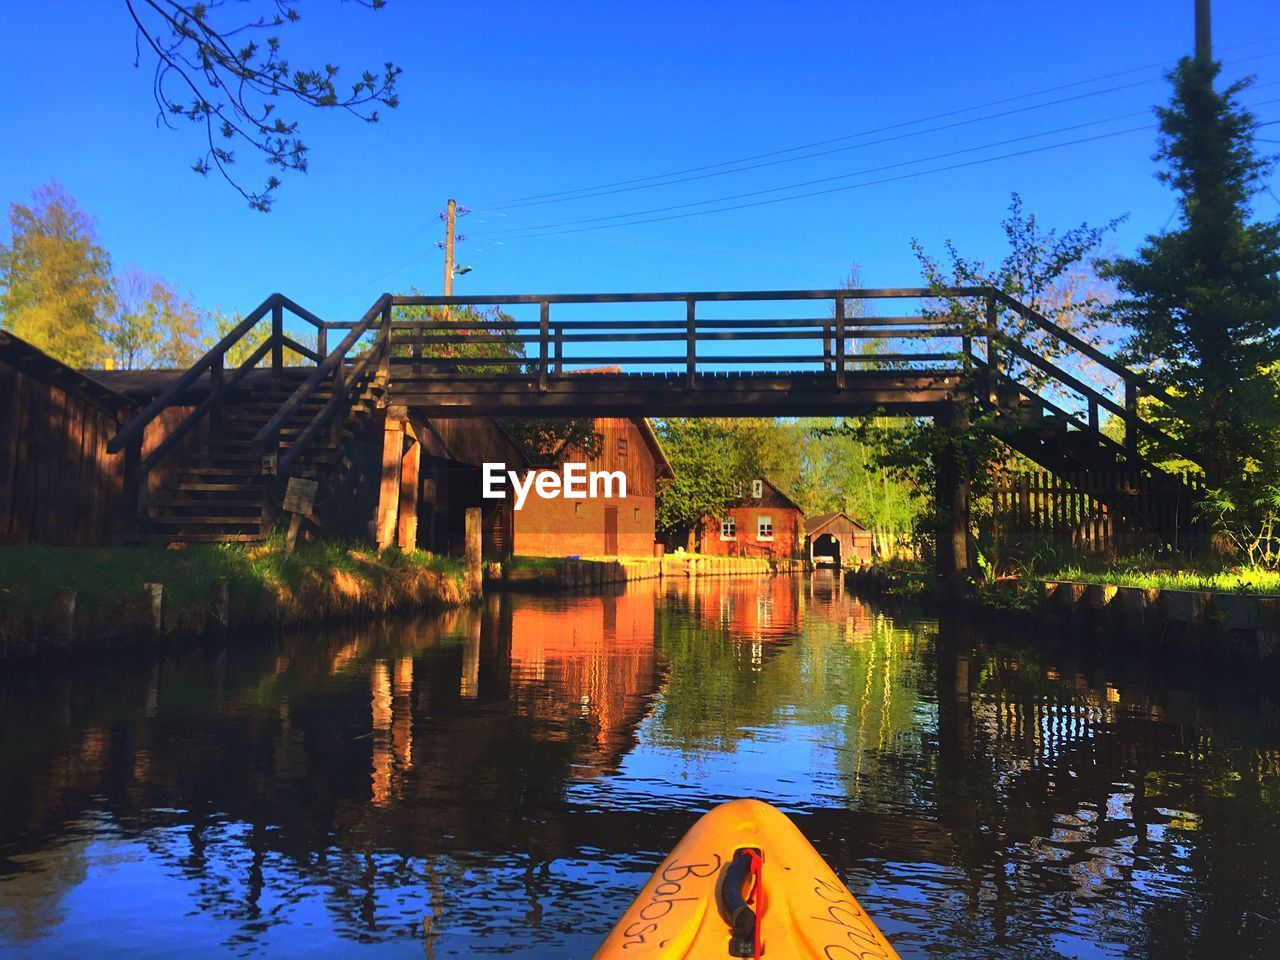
474	551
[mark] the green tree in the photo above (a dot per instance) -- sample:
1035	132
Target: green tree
56	278
712	459
1203	300
153	324
224	70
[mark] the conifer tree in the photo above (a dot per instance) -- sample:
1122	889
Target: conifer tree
1203	300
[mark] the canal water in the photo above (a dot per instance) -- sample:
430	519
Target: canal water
500	782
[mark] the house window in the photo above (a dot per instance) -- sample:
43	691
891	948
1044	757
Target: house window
622	446
757	489
764	527
728	529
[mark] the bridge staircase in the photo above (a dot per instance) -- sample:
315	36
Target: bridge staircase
217	473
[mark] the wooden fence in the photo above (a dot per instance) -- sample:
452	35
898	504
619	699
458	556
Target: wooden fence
1097	511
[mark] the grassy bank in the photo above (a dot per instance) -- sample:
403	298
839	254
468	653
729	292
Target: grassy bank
265	585
1248	580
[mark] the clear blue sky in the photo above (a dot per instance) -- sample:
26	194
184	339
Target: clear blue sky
505	99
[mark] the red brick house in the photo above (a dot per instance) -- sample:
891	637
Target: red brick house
765	522
599	526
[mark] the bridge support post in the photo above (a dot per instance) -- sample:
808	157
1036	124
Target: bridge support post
474	551
389	488
409	466
953	480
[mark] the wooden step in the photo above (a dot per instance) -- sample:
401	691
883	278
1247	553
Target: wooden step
192	538
205	504
201	521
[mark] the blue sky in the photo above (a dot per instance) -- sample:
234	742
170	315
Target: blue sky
506	100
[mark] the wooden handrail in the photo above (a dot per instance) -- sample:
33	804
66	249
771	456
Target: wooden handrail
203	408
133	430
1088	349
326	412
271	429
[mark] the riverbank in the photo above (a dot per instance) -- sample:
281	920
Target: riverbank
561	573
1242	623
57	600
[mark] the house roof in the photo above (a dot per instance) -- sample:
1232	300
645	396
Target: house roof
813	524
662	466
34	362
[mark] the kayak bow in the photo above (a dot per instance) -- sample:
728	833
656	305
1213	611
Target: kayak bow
744	882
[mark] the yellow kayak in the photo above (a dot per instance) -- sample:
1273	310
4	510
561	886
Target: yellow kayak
744	882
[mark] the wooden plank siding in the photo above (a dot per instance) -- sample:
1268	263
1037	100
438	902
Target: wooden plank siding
57	483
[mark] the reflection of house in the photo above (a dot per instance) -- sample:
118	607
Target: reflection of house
599	526
588	661
771	608
763	523
837	538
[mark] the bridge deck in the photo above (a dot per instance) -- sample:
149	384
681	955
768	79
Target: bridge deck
765	394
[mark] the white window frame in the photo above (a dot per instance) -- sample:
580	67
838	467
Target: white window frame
729	528
764	520
757	489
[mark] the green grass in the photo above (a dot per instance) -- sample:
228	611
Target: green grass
107	576
1228	580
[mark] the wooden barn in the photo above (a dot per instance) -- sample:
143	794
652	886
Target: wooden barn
58	484
595	527
765	522
836	539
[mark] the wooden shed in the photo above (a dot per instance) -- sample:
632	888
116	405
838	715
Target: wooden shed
58	485
836	539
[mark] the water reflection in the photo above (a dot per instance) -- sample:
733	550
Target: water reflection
502	779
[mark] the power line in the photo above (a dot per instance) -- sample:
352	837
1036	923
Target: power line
853	186
565	195
539	230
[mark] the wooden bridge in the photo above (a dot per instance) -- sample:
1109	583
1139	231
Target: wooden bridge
915	352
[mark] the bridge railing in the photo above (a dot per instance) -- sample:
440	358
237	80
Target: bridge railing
542	338
461	335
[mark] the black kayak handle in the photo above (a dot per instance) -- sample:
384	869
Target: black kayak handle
742	919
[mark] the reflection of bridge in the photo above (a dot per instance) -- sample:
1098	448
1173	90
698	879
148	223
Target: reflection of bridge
767	353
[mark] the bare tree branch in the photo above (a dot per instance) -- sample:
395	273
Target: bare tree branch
232	78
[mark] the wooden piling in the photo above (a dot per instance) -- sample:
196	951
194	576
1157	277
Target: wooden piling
475	568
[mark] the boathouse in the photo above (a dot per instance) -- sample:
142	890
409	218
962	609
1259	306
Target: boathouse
762	522
836	539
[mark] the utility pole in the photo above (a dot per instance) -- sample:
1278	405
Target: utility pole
450	228
1204	45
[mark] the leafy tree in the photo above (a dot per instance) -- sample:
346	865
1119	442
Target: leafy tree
1203	299
1051	272
56	278
154	325
228	74
712	459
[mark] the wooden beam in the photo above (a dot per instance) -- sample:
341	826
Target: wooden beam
389	488
407	535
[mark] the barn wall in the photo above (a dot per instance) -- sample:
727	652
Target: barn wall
58	485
